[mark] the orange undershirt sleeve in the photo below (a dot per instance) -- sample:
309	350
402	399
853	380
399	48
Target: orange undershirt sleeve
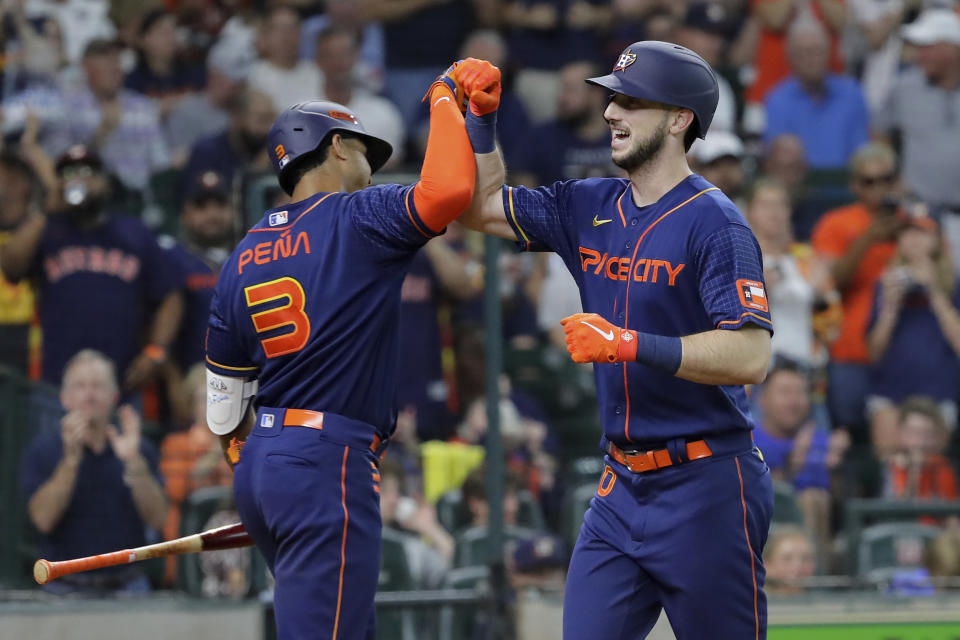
449	172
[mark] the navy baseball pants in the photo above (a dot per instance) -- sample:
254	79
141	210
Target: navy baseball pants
310	500
686	538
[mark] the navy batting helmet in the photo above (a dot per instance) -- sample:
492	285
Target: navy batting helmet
305	127
666	73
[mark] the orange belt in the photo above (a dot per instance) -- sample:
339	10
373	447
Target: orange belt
314	420
643	461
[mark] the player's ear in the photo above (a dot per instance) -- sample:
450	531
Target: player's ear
338	147
681	121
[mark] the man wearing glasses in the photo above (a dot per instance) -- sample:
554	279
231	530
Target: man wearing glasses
856	242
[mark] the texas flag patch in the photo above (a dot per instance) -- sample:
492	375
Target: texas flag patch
753	295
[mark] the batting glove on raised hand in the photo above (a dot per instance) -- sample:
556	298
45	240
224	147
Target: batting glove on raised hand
448	84
481	83
590	338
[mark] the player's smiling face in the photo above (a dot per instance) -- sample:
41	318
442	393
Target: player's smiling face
638	130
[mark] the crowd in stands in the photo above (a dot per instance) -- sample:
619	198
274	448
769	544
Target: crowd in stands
133	159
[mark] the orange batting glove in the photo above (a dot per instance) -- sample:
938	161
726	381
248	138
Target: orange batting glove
481	83
448	85
590	338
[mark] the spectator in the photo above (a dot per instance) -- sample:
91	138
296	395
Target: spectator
241	147
102	279
19	336
918	469
921	111
577	143
513	124
122	126
160	72
190	459
803	303
797	450
788	558
427	545
40	59
91	487
436	274
775	18
719	159
475	497
208	227
826	110
80	22
785	160
198	115
707	29
422	37
348	15
280	73
877	32
543	36
538	563
856	243
336	57
914	337
559	298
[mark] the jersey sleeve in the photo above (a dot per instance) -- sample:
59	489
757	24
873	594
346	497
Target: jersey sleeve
225	352
730	271
541	217
387	216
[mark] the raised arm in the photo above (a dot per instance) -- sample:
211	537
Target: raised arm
448	176
486	213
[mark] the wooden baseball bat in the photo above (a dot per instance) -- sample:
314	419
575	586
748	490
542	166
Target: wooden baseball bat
228	536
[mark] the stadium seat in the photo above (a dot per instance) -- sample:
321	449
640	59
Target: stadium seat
453	514
392	623
459	623
471	544
786	509
575	505
452	511
585	470
892	547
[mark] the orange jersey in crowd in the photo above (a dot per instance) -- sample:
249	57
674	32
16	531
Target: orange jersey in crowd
832	237
935	479
189	460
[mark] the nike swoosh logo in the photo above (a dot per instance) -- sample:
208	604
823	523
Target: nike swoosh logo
439	100
597	223
608	336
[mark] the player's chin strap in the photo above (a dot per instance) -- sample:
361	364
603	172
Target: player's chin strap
227	401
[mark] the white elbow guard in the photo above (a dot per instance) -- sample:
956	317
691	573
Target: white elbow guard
227	401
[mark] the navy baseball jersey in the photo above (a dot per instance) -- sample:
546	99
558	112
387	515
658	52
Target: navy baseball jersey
310	299
683	265
97	288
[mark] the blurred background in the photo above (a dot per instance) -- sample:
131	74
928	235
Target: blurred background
133	160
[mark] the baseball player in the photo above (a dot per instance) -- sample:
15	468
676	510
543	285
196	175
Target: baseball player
676	320
305	317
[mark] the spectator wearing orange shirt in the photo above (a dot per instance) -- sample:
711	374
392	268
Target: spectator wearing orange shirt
857	242
774	18
919	469
190	460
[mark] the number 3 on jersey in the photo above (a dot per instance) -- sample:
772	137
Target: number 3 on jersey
290	314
